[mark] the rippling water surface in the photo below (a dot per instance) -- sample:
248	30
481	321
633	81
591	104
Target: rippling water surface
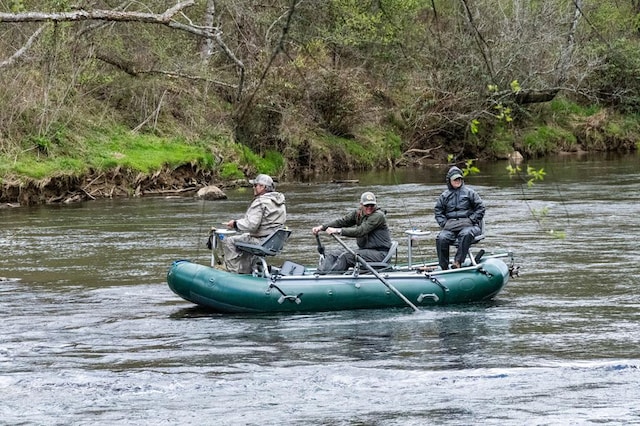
91	334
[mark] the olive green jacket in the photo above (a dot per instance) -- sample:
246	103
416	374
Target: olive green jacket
371	231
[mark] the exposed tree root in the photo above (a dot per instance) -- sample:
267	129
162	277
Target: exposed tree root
112	184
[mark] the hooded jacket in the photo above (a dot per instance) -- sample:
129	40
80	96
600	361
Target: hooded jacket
459	203
371	231
265	214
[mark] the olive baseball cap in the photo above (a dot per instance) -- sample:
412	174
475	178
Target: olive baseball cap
368	199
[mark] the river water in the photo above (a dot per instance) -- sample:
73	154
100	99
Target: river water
91	334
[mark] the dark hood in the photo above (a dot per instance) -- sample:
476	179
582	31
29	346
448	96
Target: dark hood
452	171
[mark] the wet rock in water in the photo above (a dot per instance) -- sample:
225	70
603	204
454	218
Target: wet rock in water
515	158
211	192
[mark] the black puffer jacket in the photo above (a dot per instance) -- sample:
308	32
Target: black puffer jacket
459	203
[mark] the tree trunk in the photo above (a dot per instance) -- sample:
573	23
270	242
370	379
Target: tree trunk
206	49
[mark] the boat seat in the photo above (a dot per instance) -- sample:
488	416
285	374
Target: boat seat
291	268
271	245
475	259
386	262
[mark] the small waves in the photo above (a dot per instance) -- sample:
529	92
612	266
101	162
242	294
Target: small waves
93	335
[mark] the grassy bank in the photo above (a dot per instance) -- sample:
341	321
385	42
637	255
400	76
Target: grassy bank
121	162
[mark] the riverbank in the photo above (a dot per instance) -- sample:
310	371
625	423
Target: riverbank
121	163
185	179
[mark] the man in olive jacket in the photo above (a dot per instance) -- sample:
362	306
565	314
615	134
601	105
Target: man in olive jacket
368	225
459	212
266	213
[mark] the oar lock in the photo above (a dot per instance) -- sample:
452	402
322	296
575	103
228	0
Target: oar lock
285	297
292	299
422	296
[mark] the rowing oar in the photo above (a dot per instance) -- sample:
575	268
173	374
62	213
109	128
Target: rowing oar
320	246
321	251
374	272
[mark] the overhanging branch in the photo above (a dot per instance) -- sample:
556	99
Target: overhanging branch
97	15
23	49
166	18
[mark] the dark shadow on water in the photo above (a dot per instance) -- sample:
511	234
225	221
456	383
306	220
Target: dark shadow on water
194	312
201	311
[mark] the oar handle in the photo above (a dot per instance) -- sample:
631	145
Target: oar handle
374	272
320	246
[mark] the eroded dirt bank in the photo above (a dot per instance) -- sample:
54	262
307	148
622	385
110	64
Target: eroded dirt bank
116	183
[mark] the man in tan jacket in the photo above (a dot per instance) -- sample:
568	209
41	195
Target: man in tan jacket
265	214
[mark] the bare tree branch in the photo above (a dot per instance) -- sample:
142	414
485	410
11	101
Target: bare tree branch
172	74
13	58
567	51
97	15
482	44
99	24
121	64
536	96
166	18
216	35
279	48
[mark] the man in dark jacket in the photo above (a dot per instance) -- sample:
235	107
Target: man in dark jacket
459	212
368	225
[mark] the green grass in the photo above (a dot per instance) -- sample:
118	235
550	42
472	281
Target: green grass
142	153
565	107
272	163
146	153
36	168
373	148
546	139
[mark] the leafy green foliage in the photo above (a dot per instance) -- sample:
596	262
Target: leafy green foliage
474	126
541	215
365	24
17	6
42	144
616	80
531	176
362	155
272	164
468	169
502	142
392	145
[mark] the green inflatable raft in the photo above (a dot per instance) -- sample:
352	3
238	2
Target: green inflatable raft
295	289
